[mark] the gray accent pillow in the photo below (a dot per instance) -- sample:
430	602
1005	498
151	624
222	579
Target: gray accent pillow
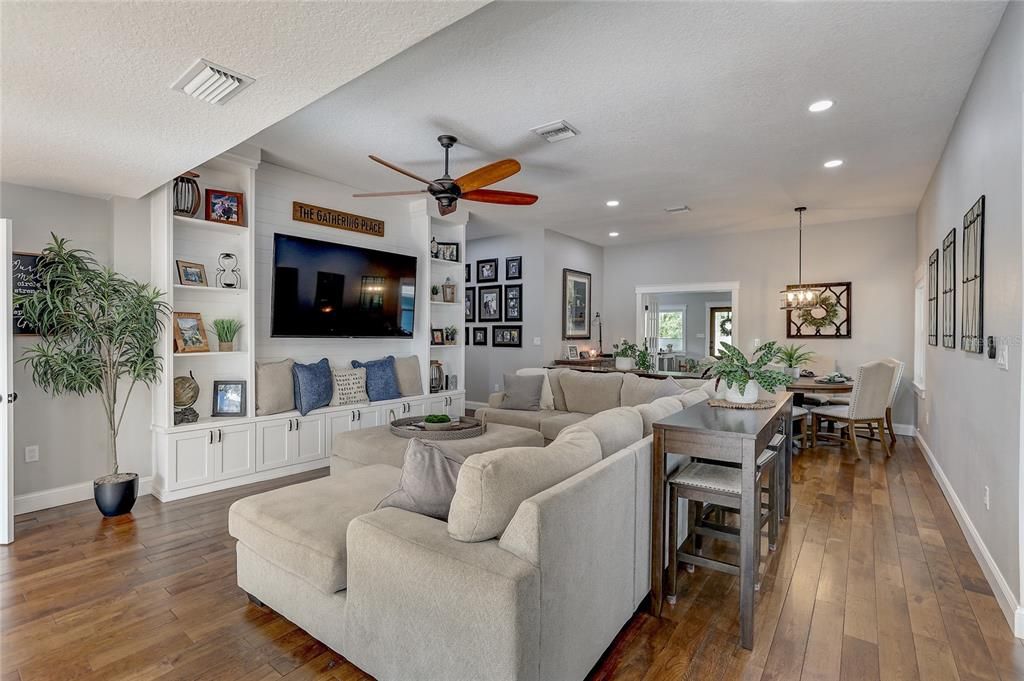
428	480
407	370
522	392
275	387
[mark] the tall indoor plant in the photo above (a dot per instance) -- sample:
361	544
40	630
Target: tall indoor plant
97	331
742	375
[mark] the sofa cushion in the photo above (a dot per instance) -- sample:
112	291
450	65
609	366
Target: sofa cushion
349	387
514	417
428	479
547	398
522	392
492	484
407	373
657	410
590	393
275	387
615	429
637	390
557	394
553	425
690	383
381	381
301	528
313	385
693	396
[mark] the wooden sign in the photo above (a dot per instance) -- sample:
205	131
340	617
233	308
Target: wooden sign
23	283
326	217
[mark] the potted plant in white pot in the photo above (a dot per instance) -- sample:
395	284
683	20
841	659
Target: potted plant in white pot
625	355
97	332
793	357
742	376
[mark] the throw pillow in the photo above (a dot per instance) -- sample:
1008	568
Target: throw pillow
407	371
275	392
429	475
314	385
590	393
547	396
381	381
349	387
522	392
637	390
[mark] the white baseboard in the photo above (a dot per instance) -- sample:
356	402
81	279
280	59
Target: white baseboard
173	495
1012	610
905	429
68	494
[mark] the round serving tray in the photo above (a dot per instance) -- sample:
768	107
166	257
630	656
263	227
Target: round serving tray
413	426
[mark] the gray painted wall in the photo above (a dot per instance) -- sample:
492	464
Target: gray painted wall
970	417
561	252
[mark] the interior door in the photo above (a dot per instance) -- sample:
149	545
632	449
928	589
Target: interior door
6	389
719	321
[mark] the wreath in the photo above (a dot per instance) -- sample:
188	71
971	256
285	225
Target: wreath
725	326
831	312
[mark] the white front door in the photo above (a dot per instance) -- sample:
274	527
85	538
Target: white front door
6	389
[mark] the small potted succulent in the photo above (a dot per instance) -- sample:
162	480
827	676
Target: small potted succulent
226	330
451	335
793	357
625	355
435	293
742	376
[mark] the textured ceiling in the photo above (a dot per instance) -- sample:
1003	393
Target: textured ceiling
87	104
697	103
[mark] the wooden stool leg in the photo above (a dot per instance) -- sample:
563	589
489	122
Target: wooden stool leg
673	539
698	540
773	507
814	430
852	435
871	430
691	530
883	439
888	422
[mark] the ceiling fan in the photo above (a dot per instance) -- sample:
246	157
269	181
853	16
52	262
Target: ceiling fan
470	186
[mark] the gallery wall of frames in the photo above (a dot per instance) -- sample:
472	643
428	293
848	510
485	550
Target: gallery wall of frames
494	296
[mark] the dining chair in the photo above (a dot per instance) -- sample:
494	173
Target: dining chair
868	404
898	368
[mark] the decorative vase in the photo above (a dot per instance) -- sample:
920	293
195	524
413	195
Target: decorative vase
116	494
187	197
227	346
625	363
794	372
228	275
748	396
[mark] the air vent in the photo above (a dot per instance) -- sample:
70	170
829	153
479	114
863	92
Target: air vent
555	132
211	83
678	209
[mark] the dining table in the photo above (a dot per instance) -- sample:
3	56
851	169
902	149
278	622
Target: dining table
808	384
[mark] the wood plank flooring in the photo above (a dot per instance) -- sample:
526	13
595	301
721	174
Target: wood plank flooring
872	580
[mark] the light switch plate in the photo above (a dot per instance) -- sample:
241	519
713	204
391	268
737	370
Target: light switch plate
1003	357
31	453
536	340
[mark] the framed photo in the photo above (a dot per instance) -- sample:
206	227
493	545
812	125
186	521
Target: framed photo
486	271
190	333
228	398
225	206
470	303
448	250
469	273
575	305
24	281
480	335
513	302
514	267
507	336
191	273
490	303
437	336
572	352
584	354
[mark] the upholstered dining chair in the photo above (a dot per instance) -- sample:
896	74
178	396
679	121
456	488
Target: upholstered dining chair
868	403
897	376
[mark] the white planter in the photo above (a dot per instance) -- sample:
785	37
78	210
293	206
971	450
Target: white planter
748	396
793	371
625	363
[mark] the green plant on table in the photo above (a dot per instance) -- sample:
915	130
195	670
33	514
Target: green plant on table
794	355
625	348
736	370
437	418
644	361
226	329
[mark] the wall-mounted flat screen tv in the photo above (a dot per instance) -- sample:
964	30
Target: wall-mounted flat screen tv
328	290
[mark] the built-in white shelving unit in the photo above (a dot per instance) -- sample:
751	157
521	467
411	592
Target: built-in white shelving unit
442	314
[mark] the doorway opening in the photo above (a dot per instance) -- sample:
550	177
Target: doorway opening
682	324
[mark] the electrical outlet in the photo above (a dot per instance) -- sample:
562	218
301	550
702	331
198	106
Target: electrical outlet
31	453
988	505
536	340
496	388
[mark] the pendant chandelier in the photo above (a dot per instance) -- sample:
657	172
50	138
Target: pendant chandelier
799	297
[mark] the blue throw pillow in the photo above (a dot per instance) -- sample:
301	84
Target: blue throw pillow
381	380
314	385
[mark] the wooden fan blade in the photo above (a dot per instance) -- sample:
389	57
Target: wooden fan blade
488	175
408	193
405	172
498	196
449	210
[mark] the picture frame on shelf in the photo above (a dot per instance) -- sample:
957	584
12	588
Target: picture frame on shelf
576	293
514	267
448	292
228	398
584	354
470	303
225	206
191	273
487	271
507	336
480	335
489	303
572	351
190	332
513	301
437	336
448	250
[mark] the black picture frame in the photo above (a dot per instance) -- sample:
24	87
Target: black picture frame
437	336
805	323
933	298
513	302
25	282
480	335
485	313
972	291
573	305
486	271
469	273
514	268
503	336
225	394
949	290
470	303
446	249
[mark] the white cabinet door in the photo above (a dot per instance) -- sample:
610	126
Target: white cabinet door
190	458
273	443
437	405
309	438
457	406
236	451
368	417
339	422
416	408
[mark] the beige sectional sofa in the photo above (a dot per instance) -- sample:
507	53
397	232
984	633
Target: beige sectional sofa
543	559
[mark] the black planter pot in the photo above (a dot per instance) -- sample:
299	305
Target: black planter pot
116	498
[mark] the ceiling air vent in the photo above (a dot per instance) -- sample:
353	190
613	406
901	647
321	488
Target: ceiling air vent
678	209
211	83
555	132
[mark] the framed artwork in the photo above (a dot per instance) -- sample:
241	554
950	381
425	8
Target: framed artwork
225	206
480	335
486	271
575	305
469	273
584	354
489	304
572	352
470	303
507	336
448	250
437	336
228	398
191	273
933	298
513	302
833	318
949	290
973	282
514	267
24	282
190	333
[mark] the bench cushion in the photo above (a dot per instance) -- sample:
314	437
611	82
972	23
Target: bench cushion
301	528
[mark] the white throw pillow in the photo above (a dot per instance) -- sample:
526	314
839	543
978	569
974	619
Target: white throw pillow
350	387
547	397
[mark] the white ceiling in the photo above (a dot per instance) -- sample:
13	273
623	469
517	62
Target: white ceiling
692	103
87	104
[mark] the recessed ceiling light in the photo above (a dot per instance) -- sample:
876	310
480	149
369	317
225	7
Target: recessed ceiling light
613	234
834	163
820	105
612	203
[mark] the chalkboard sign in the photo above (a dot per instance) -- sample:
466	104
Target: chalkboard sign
24	282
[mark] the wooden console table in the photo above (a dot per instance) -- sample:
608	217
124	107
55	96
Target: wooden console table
734	436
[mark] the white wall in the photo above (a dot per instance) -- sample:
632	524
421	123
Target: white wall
564	252
970	418
877	256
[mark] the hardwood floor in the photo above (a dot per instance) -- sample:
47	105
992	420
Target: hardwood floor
872	579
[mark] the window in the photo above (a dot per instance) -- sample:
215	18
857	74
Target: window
672	330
